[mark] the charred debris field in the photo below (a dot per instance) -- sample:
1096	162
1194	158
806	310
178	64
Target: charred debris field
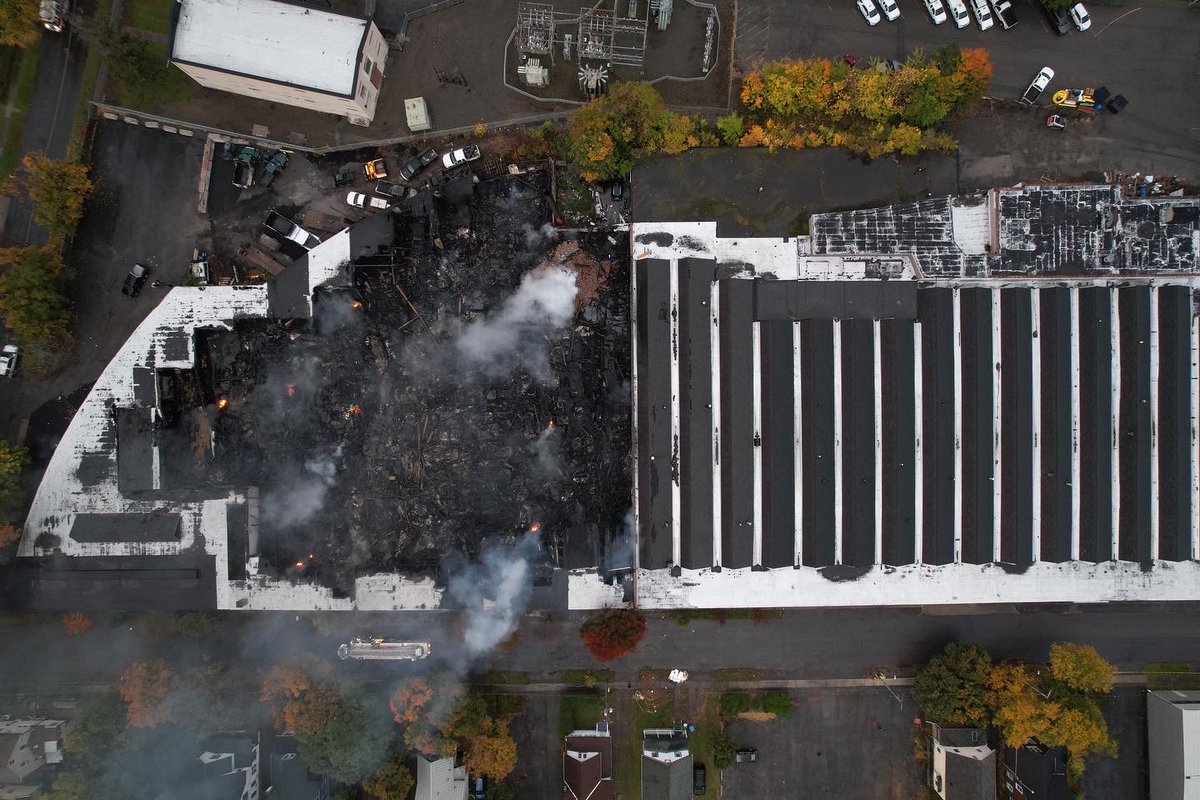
470	386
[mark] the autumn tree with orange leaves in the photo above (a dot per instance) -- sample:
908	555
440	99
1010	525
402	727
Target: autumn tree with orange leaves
612	633
146	687
76	623
492	751
817	102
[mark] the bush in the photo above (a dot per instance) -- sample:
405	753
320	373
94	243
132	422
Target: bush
724	750
734	703
777	702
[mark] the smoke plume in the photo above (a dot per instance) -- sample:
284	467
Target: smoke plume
493	592
516	334
293	502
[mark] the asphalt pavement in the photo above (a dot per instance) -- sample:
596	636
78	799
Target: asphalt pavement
48	123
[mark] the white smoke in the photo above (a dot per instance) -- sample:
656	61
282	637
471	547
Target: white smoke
545	450
296	501
493	592
516	334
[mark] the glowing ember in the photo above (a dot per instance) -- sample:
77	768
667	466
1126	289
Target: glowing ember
356	304
291	390
299	565
310	556
355	408
535	527
550	425
222	402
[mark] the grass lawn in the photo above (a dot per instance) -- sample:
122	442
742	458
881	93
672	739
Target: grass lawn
1171	675
150	92
148	15
581	677
20	95
579	709
87	85
701	740
505	677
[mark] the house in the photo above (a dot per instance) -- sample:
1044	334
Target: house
302	56
1173	744
288	778
1036	772
587	765
962	766
666	765
227	769
439	779
27	745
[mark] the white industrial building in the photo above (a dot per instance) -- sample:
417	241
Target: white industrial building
306	57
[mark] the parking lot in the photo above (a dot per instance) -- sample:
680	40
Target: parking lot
1140	51
845	744
143	210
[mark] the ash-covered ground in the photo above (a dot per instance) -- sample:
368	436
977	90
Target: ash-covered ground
470	387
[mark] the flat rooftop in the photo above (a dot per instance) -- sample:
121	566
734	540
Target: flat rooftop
820	420
274	41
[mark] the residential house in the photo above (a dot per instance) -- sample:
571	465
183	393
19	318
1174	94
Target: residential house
227	769
288	777
1036	772
314	58
439	779
666	764
27	745
587	765
961	766
1173	744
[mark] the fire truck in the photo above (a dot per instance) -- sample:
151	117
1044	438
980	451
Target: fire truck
379	649
53	14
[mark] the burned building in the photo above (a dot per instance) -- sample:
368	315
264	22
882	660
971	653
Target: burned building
447	377
990	398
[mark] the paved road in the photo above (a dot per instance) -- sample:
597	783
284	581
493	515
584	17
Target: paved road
48	125
800	644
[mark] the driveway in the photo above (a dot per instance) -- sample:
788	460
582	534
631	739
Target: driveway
1134	50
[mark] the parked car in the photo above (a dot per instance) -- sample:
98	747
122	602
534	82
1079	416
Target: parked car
958	11
9	357
389	189
135	280
1056	122
480	791
360	200
1005	14
290	230
747	755
461	156
243	174
890	9
618	189
1079	16
983	14
1059	19
417	163
1117	104
699	780
1037	86
869	12
937	11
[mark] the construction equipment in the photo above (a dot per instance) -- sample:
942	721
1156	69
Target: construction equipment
1081	99
375	169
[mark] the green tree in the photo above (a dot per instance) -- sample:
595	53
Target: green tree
57	188
97	724
731	127
392	781
724	750
610	132
1081	668
19	23
71	785
952	688
13	459
347	747
32	300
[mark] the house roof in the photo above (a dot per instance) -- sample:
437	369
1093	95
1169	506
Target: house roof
666	781
289	778
439	779
587	766
26	746
297	45
1041	770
